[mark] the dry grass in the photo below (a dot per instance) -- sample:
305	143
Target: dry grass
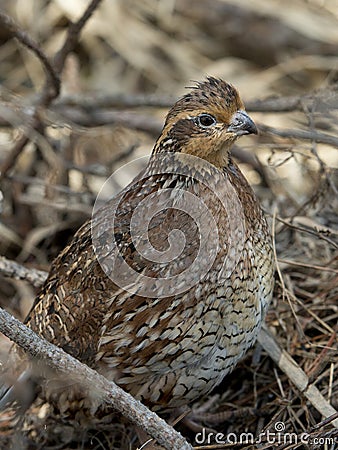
103	120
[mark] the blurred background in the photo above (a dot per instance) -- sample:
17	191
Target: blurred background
131	63
134	58
284	47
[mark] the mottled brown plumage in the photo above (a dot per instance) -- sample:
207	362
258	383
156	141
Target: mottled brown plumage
164	328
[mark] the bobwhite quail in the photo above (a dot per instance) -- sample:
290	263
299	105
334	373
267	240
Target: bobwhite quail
166	288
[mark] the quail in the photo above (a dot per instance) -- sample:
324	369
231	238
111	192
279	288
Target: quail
166	287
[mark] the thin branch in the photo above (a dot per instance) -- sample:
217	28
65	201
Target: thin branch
108	393
309	266
325	99
14	270
51	88
18	147
295	374
96	101
73	34
25	39
312	135
317	230
275	104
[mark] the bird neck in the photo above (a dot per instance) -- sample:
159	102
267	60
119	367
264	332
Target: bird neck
219	157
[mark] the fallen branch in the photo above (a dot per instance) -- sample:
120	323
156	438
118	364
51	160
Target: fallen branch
296	375
108	393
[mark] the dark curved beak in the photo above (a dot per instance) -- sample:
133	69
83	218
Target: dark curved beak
242	124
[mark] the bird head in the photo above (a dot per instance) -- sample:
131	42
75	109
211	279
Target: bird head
206	122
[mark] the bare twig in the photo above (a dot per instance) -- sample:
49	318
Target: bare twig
138	121
14	270
325	422
73	34
295	374
107	392
25	39
275	104
322	99
317	230
311	135
271	104
321	360
95	101
310	266
19	146
51	88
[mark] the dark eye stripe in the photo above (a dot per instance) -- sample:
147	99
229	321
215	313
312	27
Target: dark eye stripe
205	120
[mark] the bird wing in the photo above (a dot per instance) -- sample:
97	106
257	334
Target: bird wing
128	320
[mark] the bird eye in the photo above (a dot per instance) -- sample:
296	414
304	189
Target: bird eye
206	120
